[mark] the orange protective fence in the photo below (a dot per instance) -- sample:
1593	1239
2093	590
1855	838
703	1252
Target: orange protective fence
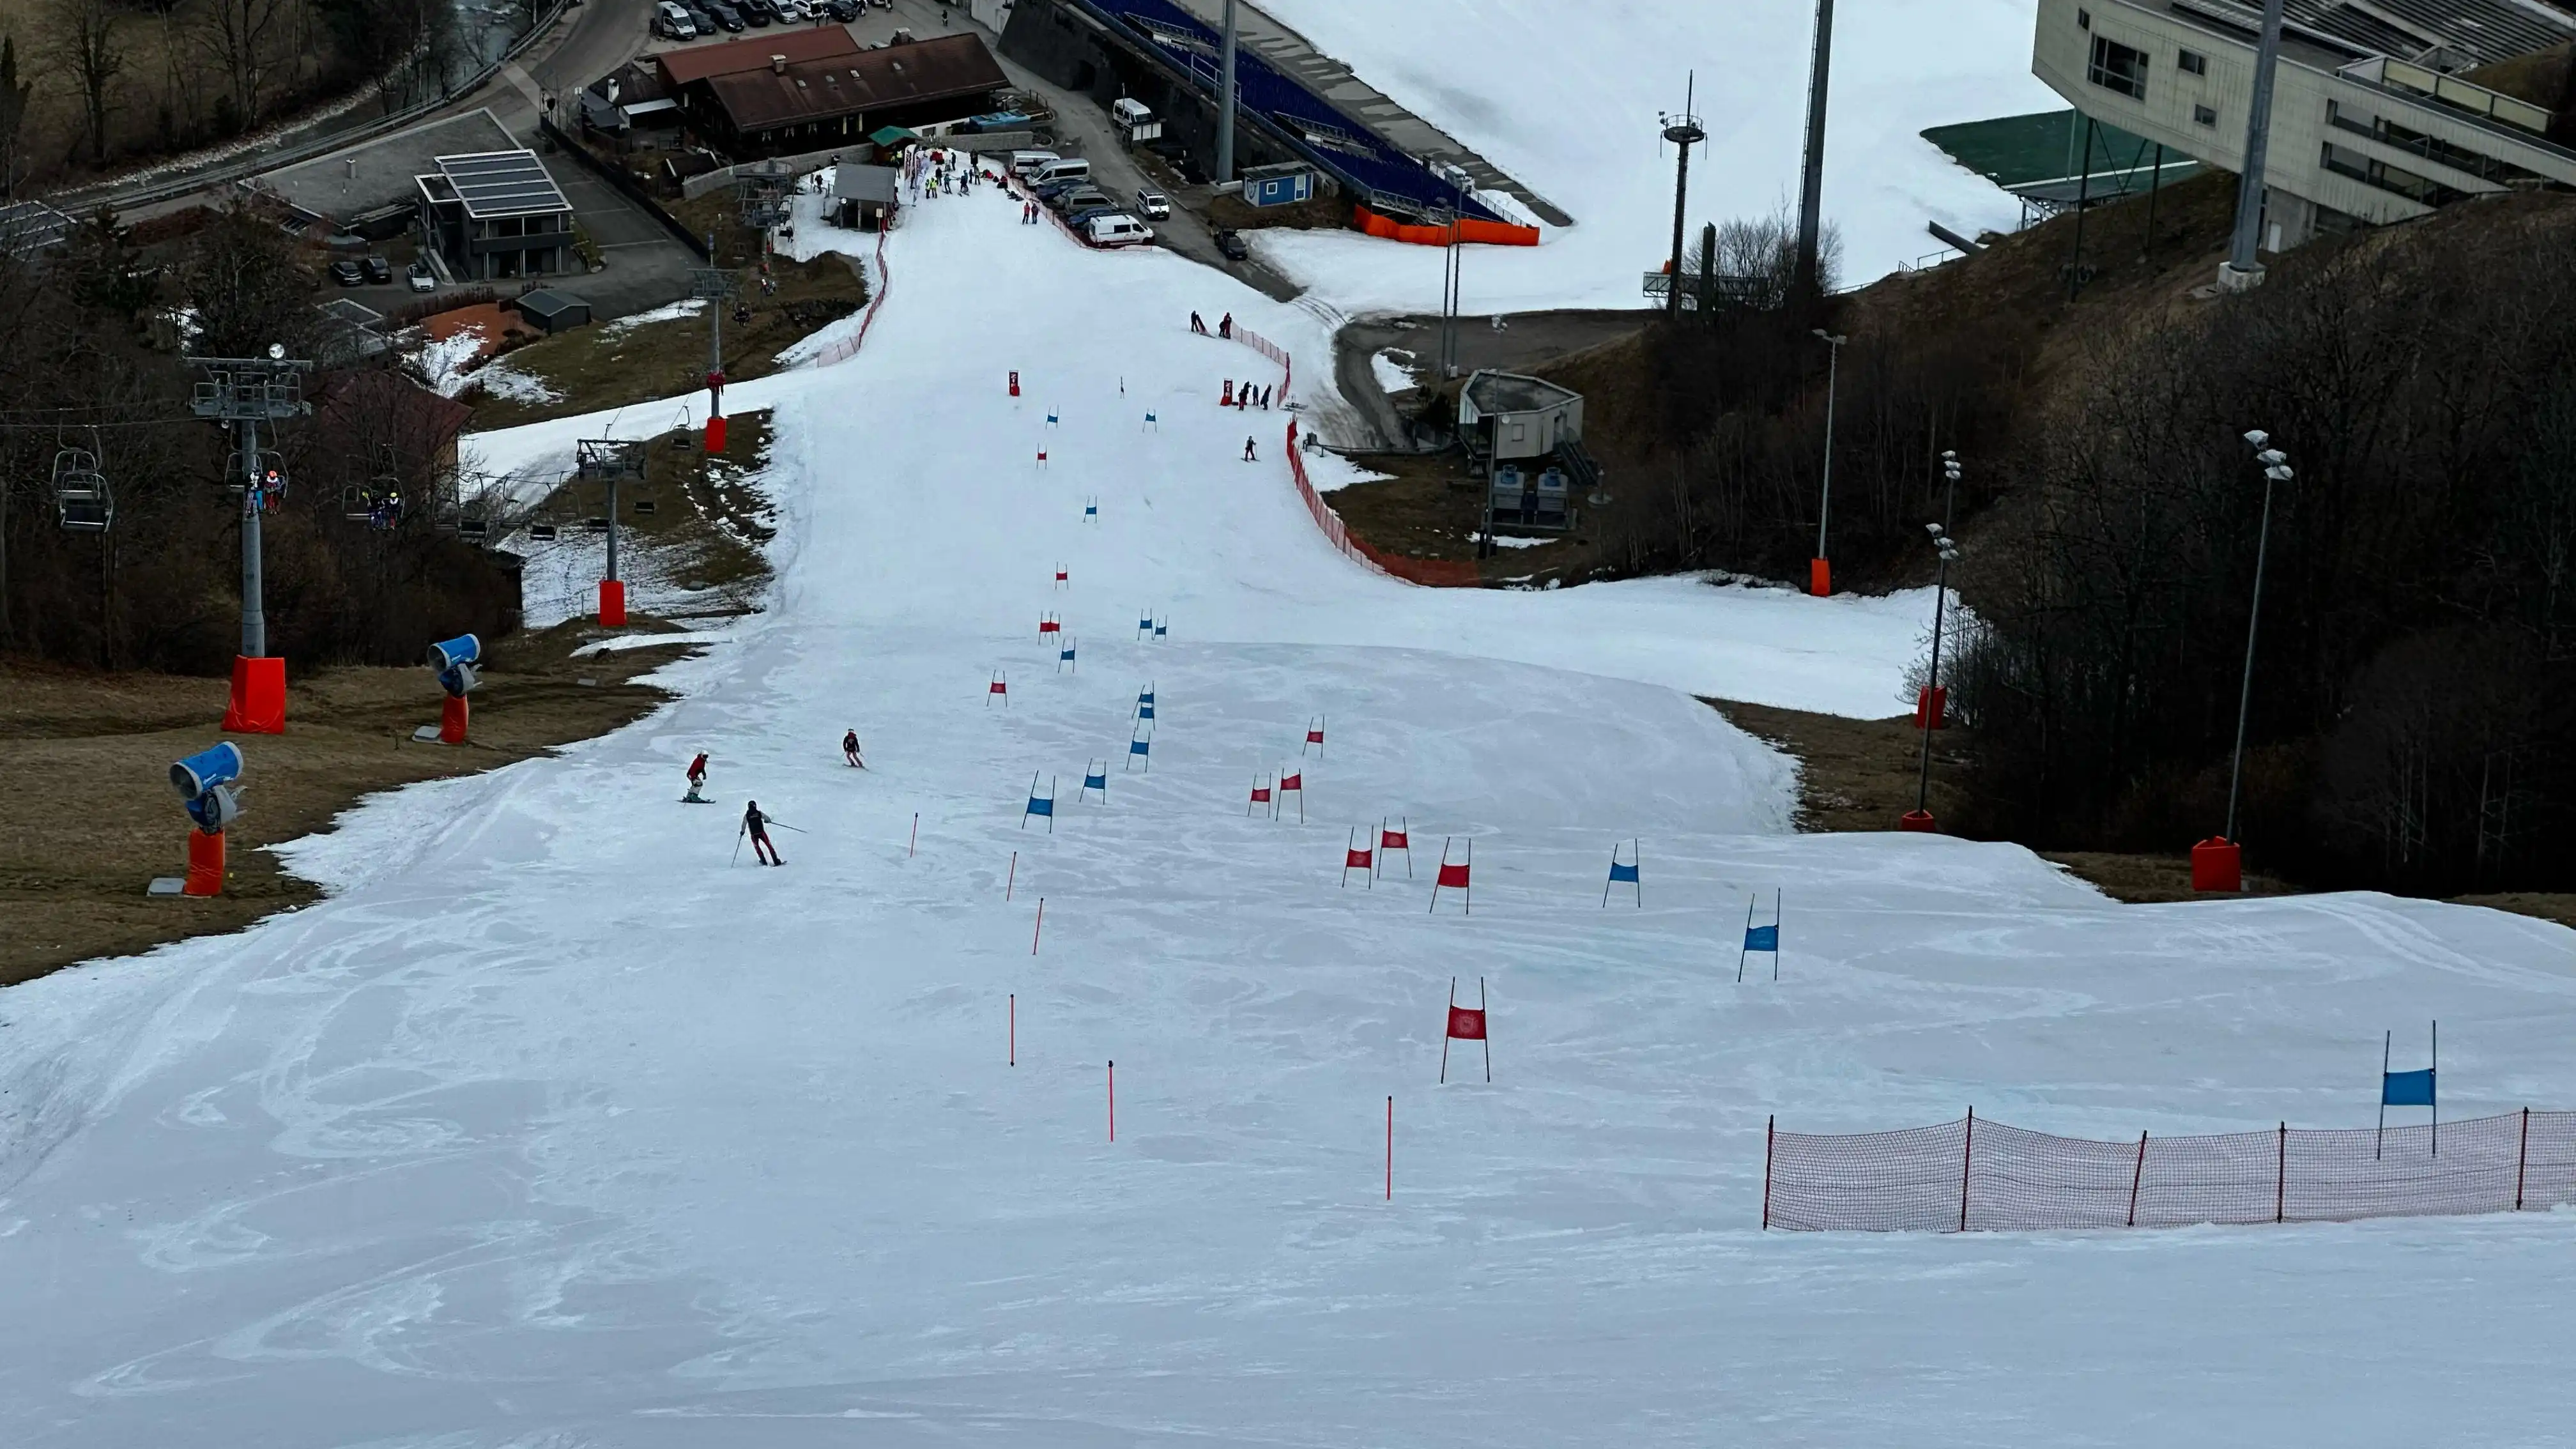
1431	573
1980	1175
1470	229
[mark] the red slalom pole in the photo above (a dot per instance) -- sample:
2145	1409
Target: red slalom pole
1113	1100
1041	925
1390	1149
910	845
1015	1029
1014	879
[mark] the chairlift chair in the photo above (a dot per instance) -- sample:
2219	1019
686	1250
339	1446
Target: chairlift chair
82	503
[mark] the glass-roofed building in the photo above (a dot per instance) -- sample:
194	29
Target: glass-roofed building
495	214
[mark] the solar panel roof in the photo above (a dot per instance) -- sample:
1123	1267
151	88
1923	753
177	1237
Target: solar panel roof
502	183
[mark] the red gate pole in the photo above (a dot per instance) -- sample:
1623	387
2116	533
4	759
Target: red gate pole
1770	1135
2281	1180
2137	1177
1967	1148
2521	1159
1040	926
1013	879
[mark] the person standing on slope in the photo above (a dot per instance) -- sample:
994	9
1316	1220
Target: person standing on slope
850	748
1247	452
756	825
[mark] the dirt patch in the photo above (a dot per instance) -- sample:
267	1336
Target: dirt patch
498	328
89	818
1428	508
704	517
612	365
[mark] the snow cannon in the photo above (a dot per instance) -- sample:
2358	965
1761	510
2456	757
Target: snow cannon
453	661
205	781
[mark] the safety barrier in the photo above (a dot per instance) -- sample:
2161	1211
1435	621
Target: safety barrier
1469	229
848	346
1980	1175
1430	573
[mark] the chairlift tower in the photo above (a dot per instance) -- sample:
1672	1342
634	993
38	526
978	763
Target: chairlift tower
1684	131
610	461
241	393
713	284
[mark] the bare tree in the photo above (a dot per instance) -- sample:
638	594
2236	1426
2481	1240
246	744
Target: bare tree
86	47
242	35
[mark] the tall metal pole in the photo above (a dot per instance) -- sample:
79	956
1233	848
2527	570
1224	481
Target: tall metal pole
1940	600
1811	183
254	616
2273	472
1682	132
612	525
1833	374
715	340
2241	271
1225	104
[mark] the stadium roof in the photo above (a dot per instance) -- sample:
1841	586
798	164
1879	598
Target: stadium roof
502	183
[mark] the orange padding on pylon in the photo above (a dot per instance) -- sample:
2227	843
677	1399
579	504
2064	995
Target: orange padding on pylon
258	702
205	864
451	720
1470	229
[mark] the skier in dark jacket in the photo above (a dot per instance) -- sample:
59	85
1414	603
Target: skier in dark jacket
850	748
757	826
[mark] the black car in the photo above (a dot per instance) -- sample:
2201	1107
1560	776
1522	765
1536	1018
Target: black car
757	12
726	16
844	11
379	271
1231	243
346	273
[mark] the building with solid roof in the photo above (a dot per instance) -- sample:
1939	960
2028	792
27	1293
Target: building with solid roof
812	89
495	214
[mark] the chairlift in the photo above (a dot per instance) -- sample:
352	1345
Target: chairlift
472	528
594	524
82	503
644	506
542	532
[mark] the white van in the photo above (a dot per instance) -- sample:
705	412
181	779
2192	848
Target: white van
1025	164
1071	168
1116	230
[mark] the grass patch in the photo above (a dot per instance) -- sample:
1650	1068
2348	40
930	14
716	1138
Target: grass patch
608	366
709	519
1427	507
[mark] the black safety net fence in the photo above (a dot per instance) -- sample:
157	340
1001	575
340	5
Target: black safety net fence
1980	1175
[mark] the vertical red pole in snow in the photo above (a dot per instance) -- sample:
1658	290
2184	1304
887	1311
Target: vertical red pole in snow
1770	1134
1015	1029
1967	1154
1041	925
1390	1151
1013	879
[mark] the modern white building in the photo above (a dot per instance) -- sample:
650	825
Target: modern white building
2370	120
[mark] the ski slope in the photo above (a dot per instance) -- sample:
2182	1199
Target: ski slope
1567	100
552	1129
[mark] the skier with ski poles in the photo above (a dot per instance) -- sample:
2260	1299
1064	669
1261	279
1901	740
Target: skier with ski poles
850	749
756	826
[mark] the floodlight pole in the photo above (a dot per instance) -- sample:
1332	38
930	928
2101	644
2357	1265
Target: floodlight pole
1819	582
2241	271
1682	133
1948	550
2275	469
1807	283
1225	104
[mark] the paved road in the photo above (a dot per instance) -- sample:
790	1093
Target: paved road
1528	339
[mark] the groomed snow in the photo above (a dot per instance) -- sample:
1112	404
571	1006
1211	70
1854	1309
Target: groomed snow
1566	101
552	1129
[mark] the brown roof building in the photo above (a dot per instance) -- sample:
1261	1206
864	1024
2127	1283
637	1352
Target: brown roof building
806	90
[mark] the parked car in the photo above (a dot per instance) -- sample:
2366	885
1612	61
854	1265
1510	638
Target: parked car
1232	244
757	12
682	28
1025	163
379	271
346	273
1087	199
1116	229
1154	205
844	11
702	18
754	17
1055	189
421	278
726	16
793	12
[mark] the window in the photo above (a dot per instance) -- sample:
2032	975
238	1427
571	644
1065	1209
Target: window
2083	19
2191	62
2204	115
2118	67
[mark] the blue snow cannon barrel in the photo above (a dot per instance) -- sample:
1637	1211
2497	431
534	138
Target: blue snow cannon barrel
204	770
204	780
453	660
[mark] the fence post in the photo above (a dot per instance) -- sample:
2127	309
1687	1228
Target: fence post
1771	1131
2521	1159
1967	1150
2137	1177
2281	1178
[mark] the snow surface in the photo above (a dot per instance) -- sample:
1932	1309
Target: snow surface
1574	116
552	1129
1392	375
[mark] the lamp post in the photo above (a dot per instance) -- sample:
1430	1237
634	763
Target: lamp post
1920	817
2218	864
1820	574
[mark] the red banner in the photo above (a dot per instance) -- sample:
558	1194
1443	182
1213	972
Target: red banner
1454	877
1394	839
1467	1023
1355	860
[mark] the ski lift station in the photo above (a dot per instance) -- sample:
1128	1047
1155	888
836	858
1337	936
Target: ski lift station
1505	416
